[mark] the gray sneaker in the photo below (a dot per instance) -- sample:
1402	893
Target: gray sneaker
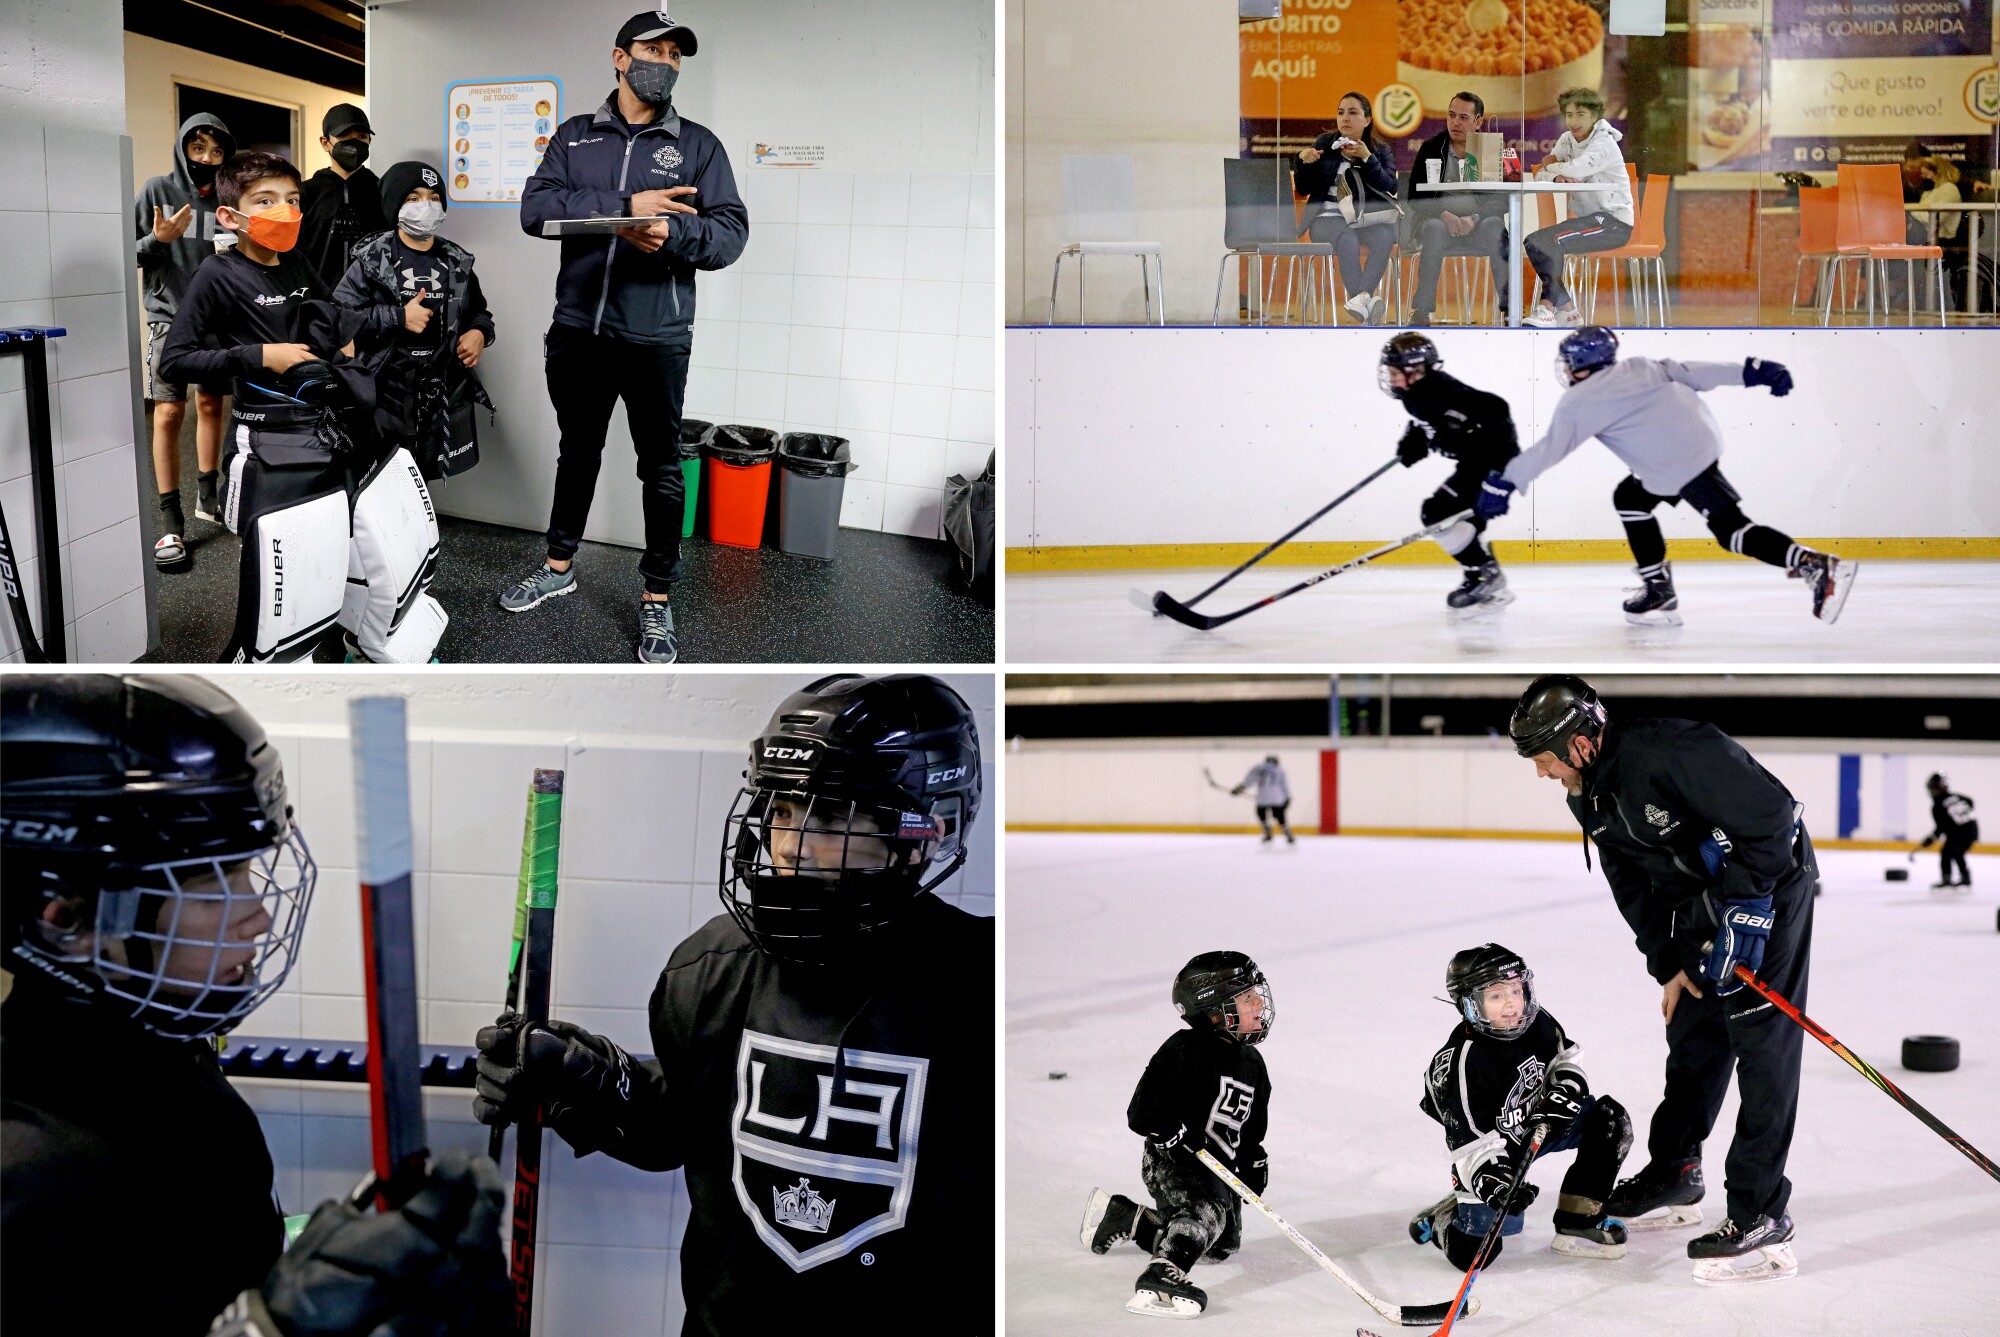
656	632
539	584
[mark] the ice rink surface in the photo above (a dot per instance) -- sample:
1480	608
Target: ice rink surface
1898	1234
1738	612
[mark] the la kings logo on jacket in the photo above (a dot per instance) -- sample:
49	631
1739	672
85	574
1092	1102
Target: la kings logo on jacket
820	1168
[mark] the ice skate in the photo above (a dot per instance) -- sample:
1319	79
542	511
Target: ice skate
1830	578
1662	1196
1428	1226
1655	604
1732	1255
1484	586
1163	1291
1108	1219
1580	1236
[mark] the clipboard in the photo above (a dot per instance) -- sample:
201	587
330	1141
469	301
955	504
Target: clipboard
592	227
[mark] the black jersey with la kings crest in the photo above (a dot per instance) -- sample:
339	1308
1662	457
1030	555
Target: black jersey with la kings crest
1478	1083
836	1128
1214	1087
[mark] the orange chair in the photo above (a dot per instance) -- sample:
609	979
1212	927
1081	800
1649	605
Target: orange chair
1648	245
1819	222
1870	229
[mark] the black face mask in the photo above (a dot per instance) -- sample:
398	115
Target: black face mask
202	173
350	154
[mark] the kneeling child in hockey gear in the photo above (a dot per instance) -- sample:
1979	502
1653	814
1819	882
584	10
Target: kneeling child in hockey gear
1471	428
1205	1089
1507	1066
1953	822
1274	796
1648	412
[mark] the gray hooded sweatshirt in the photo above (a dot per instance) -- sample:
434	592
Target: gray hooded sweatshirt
169	265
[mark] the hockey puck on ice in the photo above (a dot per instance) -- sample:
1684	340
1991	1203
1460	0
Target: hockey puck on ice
1057	1076
1930	1053
1896	874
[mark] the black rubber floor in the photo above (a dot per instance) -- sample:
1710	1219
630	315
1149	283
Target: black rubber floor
885	599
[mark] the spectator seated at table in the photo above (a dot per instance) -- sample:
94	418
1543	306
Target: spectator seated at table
1454	224
1349	181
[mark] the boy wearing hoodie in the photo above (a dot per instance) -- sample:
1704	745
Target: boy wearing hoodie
1601	218
342	203
174	221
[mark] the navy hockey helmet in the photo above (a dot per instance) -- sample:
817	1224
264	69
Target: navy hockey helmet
1408	351
1477	969
859	795
1209	992
1556	708
1585	348
152	861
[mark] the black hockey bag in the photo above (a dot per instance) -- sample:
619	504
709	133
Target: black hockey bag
968	522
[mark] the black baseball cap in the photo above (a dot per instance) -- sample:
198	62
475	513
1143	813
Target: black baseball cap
653	25
342	117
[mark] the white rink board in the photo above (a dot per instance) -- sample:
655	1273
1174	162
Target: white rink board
1136	436
1896	1231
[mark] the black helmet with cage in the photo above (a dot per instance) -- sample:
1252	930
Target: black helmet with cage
1477	969
152	863
1408	351
1208	994
859	796
1556	708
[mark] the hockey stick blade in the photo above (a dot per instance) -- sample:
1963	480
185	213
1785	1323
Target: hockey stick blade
1165	605
1146	602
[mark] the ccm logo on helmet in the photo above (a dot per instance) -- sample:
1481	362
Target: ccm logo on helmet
940	777
48	833
788	753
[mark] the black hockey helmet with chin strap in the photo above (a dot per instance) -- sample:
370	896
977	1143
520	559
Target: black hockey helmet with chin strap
1408	351
1556	708
141	805
1206	990
859	795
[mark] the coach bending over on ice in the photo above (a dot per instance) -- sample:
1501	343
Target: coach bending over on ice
625	304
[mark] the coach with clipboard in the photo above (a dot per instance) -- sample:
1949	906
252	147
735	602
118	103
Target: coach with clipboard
624	314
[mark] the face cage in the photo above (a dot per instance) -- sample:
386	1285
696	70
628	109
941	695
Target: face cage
1530	1009
281	878
823	897
1232	1016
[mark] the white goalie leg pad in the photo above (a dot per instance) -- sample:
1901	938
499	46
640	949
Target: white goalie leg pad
232	506
392	562
1456	539
1776	1262
301	572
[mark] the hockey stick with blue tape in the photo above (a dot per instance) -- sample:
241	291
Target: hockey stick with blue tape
1407	1315
384	850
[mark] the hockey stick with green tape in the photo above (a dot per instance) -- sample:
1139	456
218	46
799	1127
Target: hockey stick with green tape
541	850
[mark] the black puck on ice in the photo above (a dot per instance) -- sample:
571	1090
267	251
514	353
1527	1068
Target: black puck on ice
1896	874
1930	1053
1057	1076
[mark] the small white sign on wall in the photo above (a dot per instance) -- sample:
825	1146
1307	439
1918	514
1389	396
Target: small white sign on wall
786	153
495	136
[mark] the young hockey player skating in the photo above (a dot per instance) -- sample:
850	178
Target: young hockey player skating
155	889
1953	822
1711	866
1507	1066
1471	428
1205	1089
1274	796
1647	412
824	1069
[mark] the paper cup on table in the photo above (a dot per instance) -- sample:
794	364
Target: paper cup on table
1432	168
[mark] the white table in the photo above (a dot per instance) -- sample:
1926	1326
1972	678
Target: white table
1972	209
1513	190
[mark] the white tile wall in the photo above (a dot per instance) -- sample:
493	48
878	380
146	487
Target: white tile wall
872	294
642	828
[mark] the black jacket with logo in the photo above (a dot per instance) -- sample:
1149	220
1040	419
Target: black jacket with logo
836	1128
1474	427
593	166
1952	818
1214	1087
1477	1084
1656	791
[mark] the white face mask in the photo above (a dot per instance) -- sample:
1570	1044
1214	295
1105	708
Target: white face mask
421	218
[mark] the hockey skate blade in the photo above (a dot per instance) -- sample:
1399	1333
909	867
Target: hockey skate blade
1662	617
1141	600
1153	1304
1775	1262
1570	1246
1093	1215
1665	1218
1843	583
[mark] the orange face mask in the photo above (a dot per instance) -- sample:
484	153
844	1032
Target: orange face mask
277	230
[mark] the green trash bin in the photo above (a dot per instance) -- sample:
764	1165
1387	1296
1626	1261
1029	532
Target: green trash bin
693	433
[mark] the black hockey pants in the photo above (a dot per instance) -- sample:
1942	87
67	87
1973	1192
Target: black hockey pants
1199	1215
1955	846
1711	1033
1460	492
1600	1139
1720	505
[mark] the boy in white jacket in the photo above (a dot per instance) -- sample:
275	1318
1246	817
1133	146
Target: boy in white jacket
1587	153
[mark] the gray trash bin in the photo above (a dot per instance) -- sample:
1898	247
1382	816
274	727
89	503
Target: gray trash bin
815	469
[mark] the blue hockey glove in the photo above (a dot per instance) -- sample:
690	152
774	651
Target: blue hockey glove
1740	930
1494	495
1715	853
1756	371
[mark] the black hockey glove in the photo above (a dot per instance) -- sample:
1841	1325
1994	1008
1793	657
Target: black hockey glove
431	1268
1756	371
1415	446
1562	1104
1491	1181
1256	1174
1176	1142
583	1080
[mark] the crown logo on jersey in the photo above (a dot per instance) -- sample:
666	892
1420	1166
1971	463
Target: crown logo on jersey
1656	816
801	1208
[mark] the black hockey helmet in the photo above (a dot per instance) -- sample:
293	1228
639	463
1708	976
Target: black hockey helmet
1475	969
1271	761
860	794
1206	993
1585	348
1937	784
1556	708
1408	351
153	812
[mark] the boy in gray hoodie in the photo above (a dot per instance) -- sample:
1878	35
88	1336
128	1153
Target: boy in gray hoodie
174	222
1601	214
